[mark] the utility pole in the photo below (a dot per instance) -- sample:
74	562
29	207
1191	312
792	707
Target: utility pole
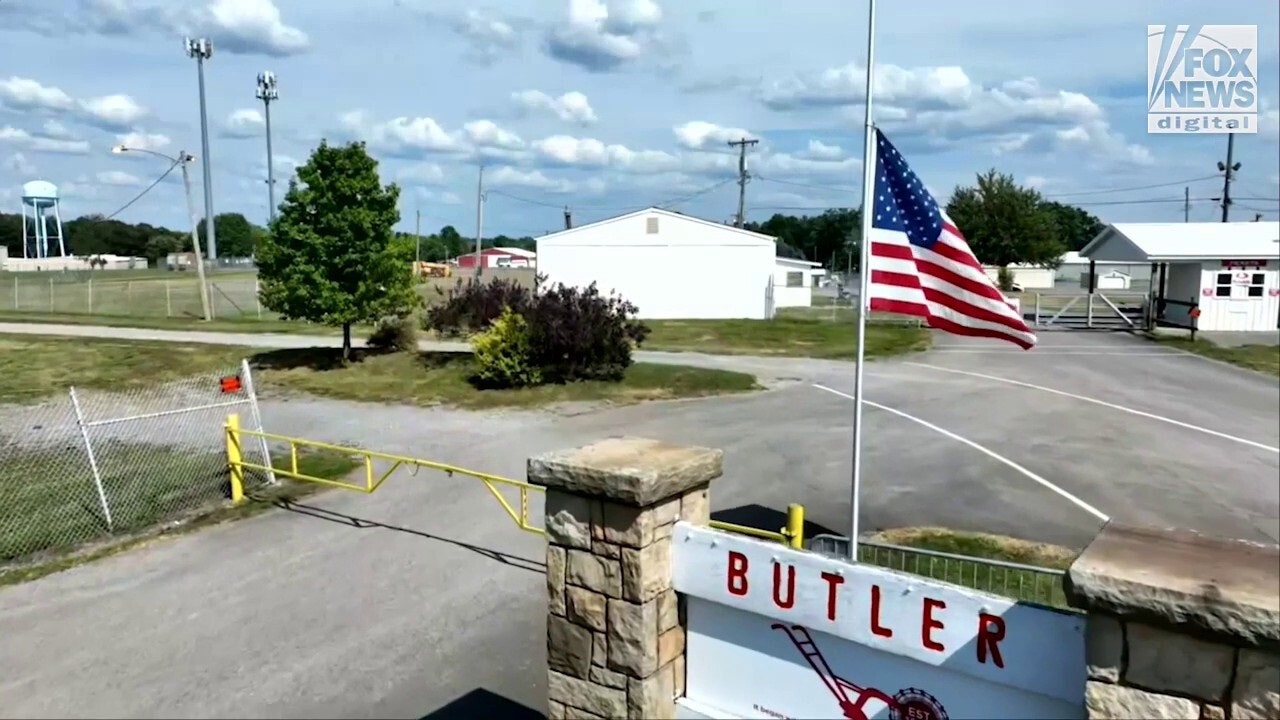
184	159
568	218
266	93
202	50
417	234
742	177
1227	171
1186	204
479	222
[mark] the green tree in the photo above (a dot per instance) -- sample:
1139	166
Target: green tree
1076	227
1005	223
330	256
236	235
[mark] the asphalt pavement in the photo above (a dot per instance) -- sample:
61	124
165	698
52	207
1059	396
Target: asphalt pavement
424	600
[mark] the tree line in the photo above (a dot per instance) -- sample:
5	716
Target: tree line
91	235
1005	224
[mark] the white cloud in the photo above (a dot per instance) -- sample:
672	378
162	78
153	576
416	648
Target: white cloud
698	135
506	176
405	136
20	165
1269	122
118	178
1036	182
440	197
600	35
488	37
486	133
570	107
819	150
424	173
592	153
139	140
244	123
110	111
39	143
945	105
245	27
248	27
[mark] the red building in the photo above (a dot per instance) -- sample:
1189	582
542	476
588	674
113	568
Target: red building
500	257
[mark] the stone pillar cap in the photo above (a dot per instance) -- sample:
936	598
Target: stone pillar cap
1220	588
627	470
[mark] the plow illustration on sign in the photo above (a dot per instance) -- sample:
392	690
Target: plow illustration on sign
908	704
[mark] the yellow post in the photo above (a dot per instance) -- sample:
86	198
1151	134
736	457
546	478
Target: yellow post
795	526
234	459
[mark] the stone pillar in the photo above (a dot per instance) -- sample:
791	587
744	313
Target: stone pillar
615	627
1180	625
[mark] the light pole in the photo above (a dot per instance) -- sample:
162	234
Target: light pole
266	93
202	50
184	159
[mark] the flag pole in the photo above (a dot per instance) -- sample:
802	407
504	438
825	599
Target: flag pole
864	280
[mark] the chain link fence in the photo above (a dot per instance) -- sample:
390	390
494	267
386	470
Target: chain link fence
158	297
92	465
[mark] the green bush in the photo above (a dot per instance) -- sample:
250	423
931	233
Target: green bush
572	333
394	332
504	353
1004	278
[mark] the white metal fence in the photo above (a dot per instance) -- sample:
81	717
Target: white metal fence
73	294
95	464
1017	581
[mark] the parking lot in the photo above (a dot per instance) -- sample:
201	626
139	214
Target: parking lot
423	599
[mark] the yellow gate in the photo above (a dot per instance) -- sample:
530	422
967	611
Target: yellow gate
791	535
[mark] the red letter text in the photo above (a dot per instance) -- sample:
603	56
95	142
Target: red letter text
737	575
876	627
930	624
833	581
777	586
990	633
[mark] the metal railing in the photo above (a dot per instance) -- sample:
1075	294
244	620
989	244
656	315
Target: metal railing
792	535
1028	583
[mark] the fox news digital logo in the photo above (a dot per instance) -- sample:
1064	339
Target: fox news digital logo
1202	78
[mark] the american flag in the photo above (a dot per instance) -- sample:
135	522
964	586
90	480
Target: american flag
922	266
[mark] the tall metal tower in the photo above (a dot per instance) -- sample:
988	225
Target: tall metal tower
40	197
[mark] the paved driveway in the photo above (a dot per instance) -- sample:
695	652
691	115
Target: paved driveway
429	602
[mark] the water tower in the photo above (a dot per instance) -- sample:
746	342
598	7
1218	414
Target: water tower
41	198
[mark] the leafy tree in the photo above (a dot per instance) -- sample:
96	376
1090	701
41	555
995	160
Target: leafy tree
235	234
827	238
1076	227
330	256
1005	223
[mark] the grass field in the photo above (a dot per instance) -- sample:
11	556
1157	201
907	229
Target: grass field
1017	583
49	508
1263	358
442	379
33	367
795	333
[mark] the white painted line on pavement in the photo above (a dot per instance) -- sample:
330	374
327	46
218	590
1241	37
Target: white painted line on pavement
1103	403
1043	353
985	451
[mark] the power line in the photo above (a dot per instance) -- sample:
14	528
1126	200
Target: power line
686	198
830	188
1136	187
557	206
146	190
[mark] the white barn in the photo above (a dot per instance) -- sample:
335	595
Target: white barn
671	266
1228	272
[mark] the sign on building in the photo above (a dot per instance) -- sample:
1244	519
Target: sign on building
780	633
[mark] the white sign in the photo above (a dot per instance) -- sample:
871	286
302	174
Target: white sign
780	633
1202	79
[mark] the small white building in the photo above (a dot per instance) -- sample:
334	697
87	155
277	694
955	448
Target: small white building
1025	276
669	265
1229	272
793	281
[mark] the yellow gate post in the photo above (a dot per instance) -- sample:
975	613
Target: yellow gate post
234	459
794	532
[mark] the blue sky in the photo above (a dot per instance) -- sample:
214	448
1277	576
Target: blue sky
611	105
